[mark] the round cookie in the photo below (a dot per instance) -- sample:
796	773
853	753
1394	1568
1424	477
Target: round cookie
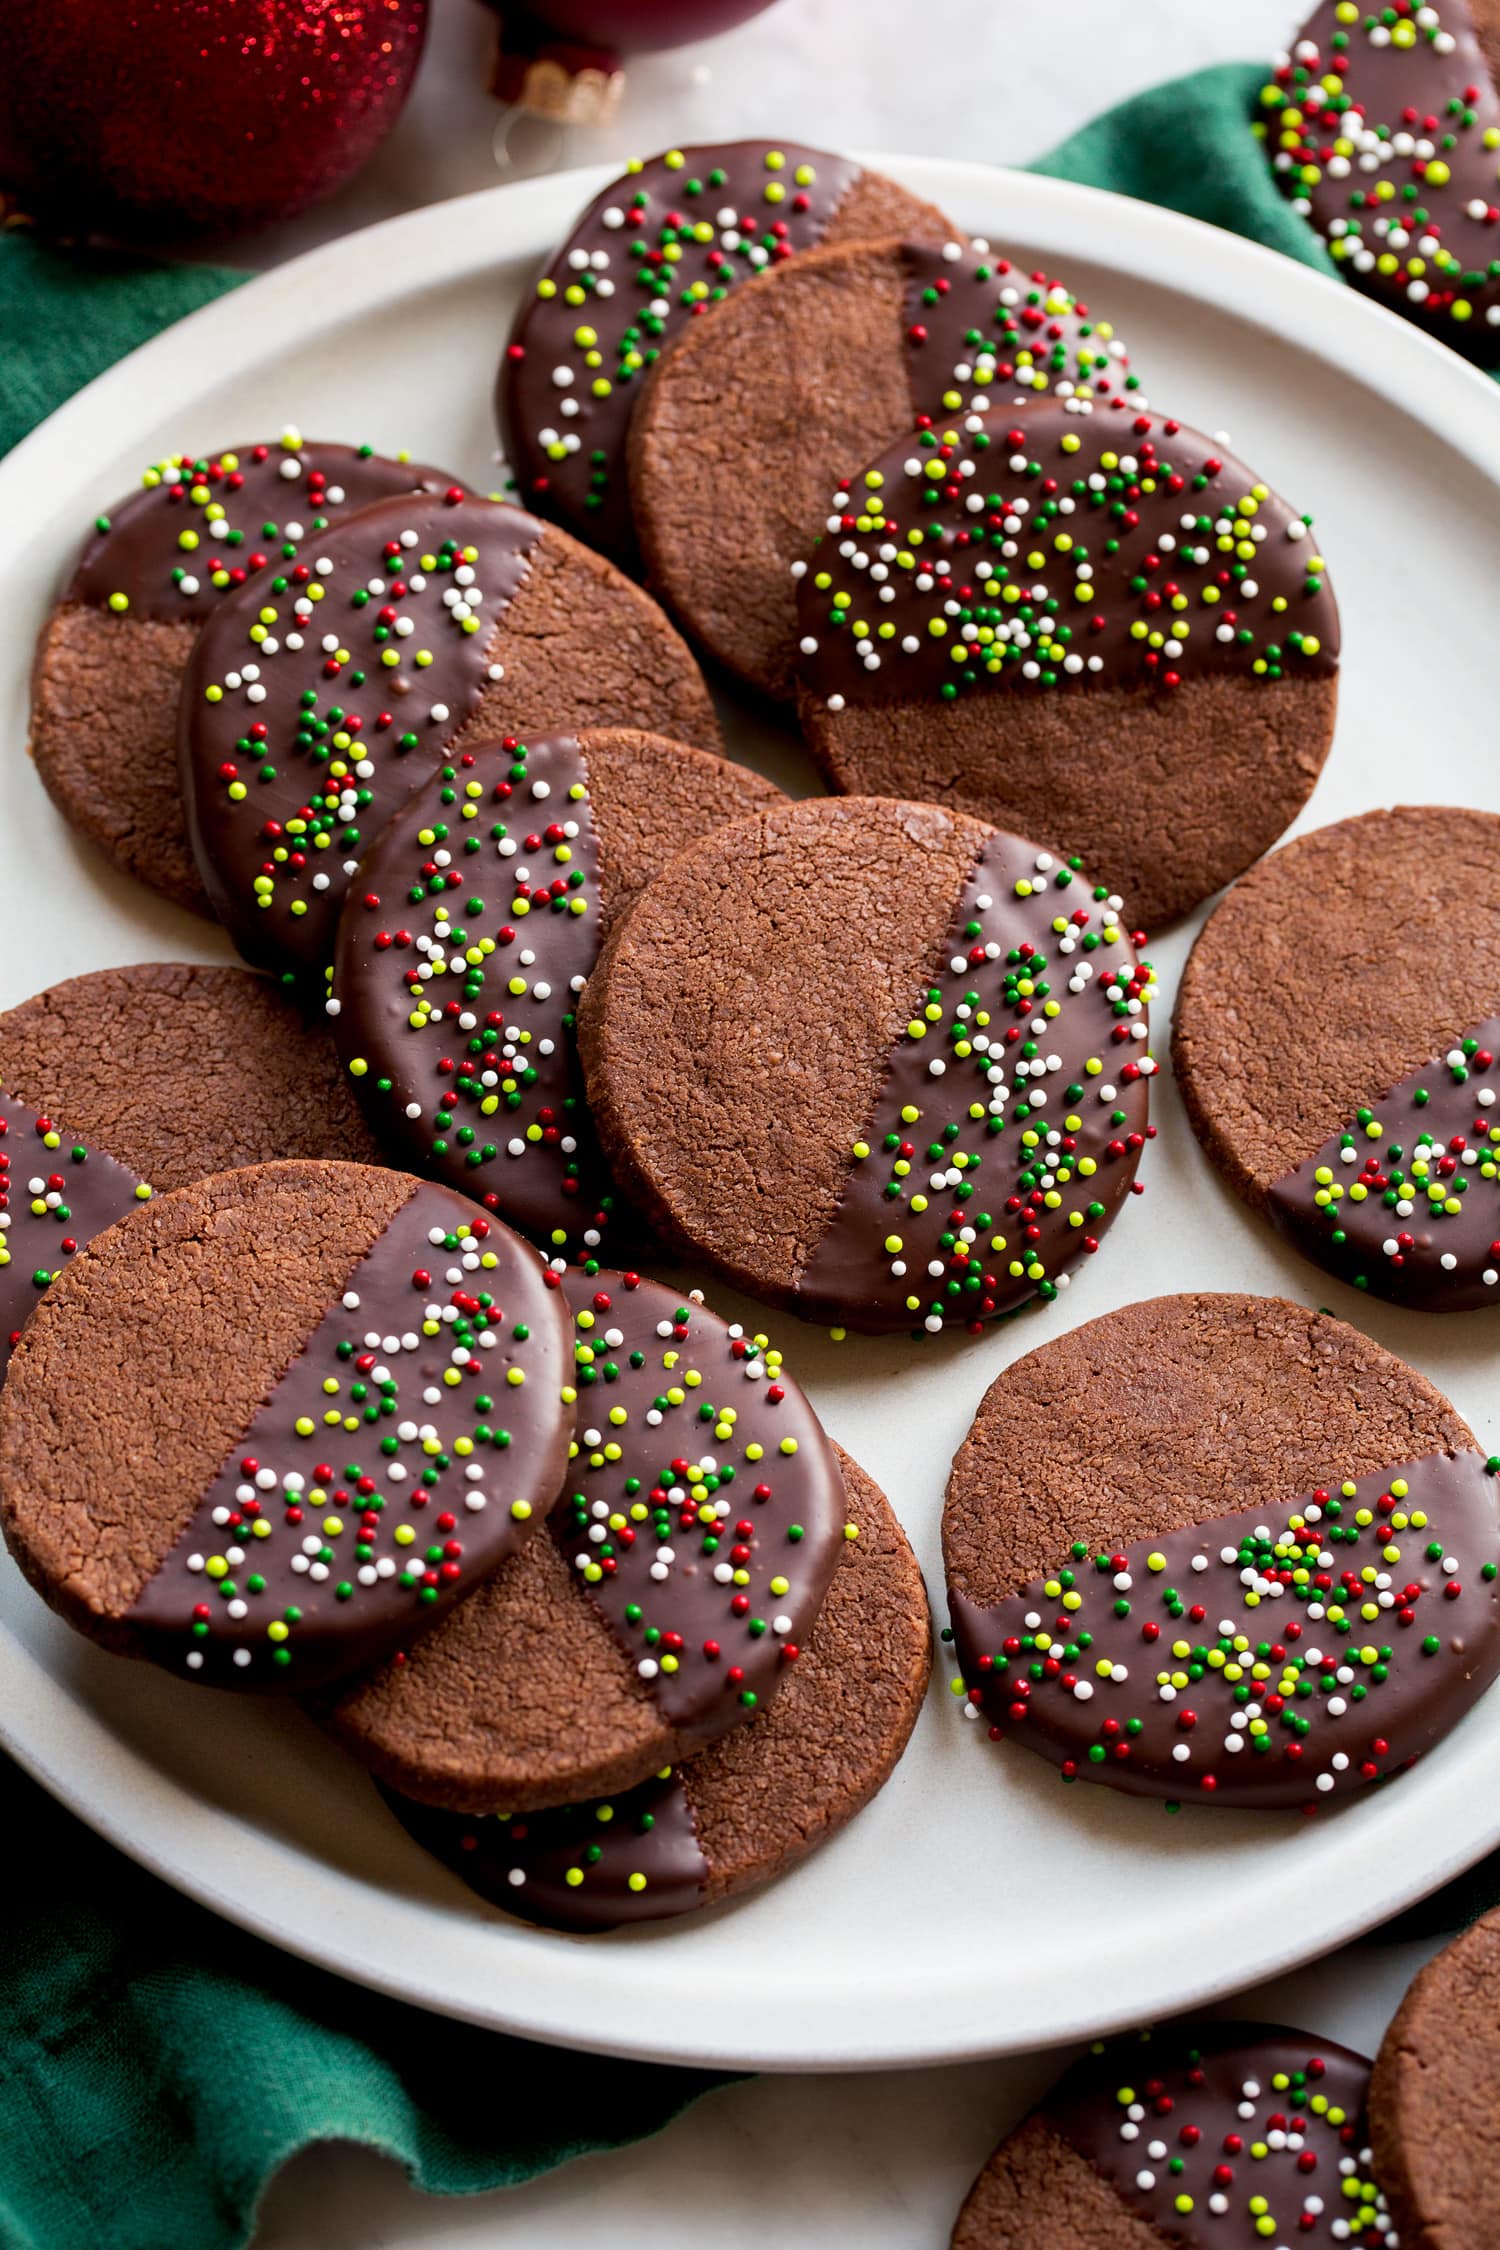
111	656
653	252
281	1421
629	1636
757	1800
430	623
733	453
1432	2097
478	914
1383	133
1212	2136
1093	627
128	1080
873	1061
1252	1561
1336	1042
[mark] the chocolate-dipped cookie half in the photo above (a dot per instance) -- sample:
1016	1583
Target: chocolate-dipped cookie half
1224	1550
127	1080
734	452
427	624
282	1420
873	1061
1095	627
1210	2136
757	1800
1382	125
655	251
111	656
674	1590
1335	1039
475	921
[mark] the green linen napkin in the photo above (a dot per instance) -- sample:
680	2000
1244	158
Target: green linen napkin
1187	145
158	2065
64	318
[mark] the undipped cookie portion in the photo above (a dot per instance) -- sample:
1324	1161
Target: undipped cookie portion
654	251
1098	628
430	623
1224	1549
734	453
1195	2136
873	1061
477	918
755	1802
1432	2098
680	1578
282	1420
1336	1041
128	1080
111	657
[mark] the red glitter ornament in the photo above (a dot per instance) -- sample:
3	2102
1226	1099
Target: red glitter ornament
133	116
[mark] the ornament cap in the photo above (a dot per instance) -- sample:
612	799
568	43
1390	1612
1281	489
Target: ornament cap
565	81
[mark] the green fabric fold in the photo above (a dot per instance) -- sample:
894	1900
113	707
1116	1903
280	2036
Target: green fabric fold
1188	146
159	2065
67	316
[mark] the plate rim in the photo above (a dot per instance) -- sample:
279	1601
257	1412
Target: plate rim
140	1808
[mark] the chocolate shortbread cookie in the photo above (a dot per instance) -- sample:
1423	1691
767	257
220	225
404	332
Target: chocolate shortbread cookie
281	1420
1212	2136
463	947
1222	1548
126	1080
1336	1037
1433	2096
111	656
755	1802
430	623
734	453
656	250
1382	125
1094	627
873	1061
680	1576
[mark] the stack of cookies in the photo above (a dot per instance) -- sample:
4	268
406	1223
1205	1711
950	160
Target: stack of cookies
336	1363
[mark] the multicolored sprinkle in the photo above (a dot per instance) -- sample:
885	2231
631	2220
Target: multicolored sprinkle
1383	126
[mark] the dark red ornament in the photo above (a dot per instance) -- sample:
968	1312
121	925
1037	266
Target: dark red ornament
174	116
637	27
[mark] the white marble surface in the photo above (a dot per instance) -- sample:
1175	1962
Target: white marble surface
794	2162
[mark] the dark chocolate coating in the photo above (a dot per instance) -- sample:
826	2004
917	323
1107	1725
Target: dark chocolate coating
708	1574
1233	2112
621	304
1420	100
1004	1219
1349	1672
1428	1181
750	1806
505	1121
372	1533
269	518
111	655
289	730
631	1858
55	1191
973	320
1016	494
734	452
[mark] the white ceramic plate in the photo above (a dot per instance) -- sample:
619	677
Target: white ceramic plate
978	1906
